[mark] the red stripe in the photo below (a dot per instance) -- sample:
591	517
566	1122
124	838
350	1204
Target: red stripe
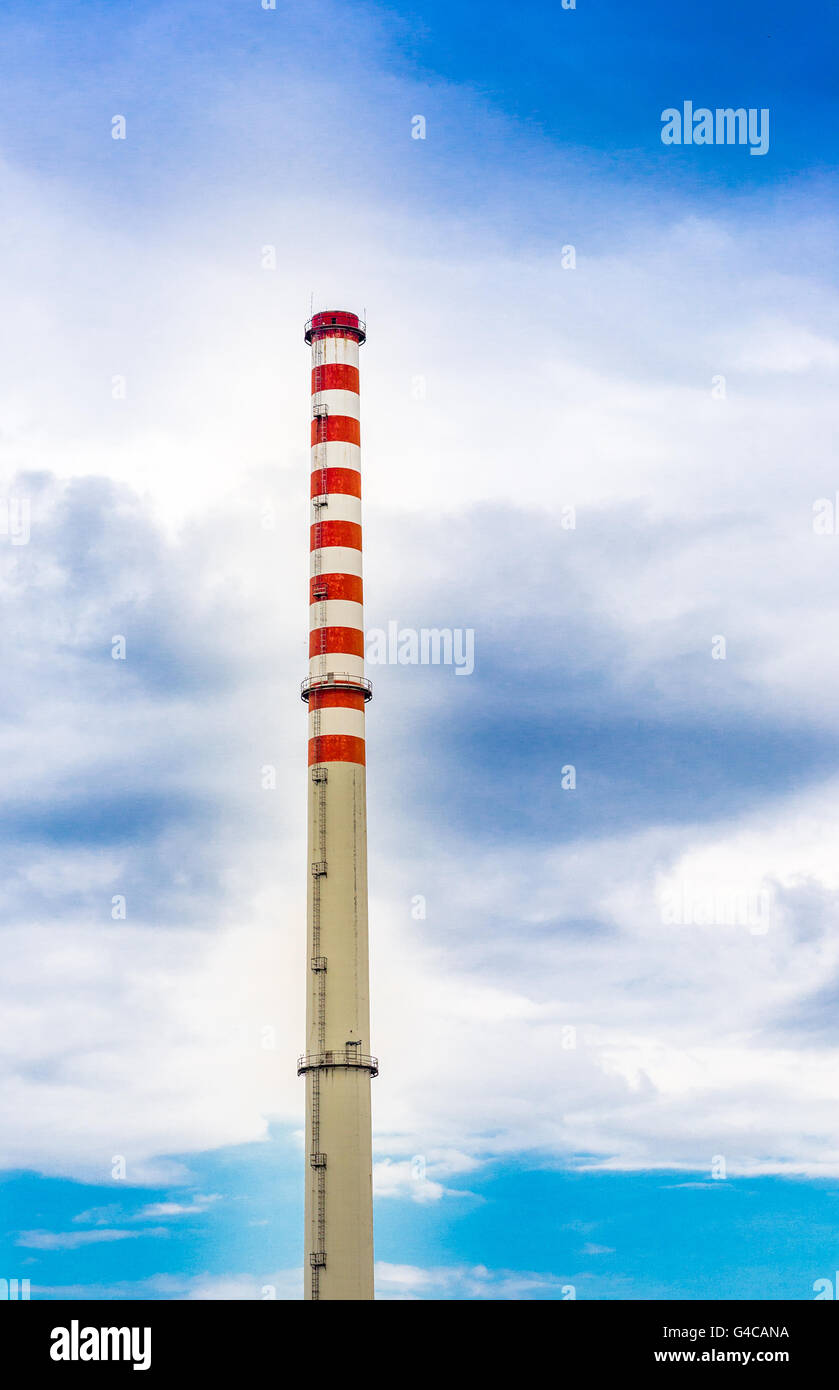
335	323
335	699
346	480
323	533
336	429
349	640
335	376
347	586
336	748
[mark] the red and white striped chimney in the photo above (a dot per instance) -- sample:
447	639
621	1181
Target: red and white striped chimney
336	626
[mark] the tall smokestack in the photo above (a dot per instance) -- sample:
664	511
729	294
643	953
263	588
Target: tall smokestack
337	1063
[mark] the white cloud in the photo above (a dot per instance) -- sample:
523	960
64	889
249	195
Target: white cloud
393	1283
786	348
74	1240
418	1178
471	1283
106	1216
194	1208
284	1284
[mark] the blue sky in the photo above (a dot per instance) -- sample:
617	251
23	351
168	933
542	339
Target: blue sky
523	1232
674	387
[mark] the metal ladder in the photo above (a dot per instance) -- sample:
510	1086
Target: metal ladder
317	1160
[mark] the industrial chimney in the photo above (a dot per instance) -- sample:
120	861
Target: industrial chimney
337	1063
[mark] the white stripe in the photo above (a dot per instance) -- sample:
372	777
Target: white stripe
342	663
336	454
336	559
334	350
336	612
340	507
338	721
339	402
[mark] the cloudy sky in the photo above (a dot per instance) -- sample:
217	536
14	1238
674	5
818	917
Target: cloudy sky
598	404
